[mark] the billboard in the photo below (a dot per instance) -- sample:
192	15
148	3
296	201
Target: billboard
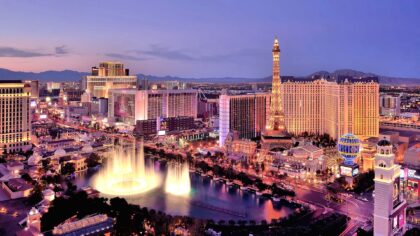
124	106
349	171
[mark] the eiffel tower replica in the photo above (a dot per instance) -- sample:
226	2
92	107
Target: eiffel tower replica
275	136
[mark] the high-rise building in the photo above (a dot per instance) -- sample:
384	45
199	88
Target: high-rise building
208	108
390	105
275	133
109	75
331	105
34	88
389	206
130	105
53	85
245	114
15	125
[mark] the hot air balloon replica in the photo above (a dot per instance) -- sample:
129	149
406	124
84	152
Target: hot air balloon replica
349	148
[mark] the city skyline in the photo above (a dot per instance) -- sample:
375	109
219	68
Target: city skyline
153	38
162	118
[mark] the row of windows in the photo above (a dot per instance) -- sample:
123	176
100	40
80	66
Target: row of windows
11	90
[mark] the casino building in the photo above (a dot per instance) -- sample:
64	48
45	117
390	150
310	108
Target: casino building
15	117
131	105
321	104
331	105
109	75
244	114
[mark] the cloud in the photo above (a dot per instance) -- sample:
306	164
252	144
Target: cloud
166	53
162	52
16	52
125	57
60	50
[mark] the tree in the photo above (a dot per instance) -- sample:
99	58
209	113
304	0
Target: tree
26	177
364	181
71	188
68	169
36	194
46	163
93	160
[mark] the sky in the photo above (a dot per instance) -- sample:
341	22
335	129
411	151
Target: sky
212	38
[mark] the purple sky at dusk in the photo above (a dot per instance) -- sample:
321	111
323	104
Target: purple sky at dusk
212	38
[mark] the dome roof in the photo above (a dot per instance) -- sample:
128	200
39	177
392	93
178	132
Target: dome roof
60	152
34	159
384	142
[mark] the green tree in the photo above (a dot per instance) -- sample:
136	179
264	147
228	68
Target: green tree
36	194
93	160
46	163
68	169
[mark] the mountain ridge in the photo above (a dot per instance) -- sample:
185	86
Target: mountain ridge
71	75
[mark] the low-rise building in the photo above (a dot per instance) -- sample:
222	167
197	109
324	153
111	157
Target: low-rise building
79	162
91	225
17	188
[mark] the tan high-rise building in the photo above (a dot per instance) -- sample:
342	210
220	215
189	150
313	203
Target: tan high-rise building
334	106
15	123
109	75
245	114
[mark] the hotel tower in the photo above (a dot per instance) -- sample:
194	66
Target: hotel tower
243	114
15	124
109	75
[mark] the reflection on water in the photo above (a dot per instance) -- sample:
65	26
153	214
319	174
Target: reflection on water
207	199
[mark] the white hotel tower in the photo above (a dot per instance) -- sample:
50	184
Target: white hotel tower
389	208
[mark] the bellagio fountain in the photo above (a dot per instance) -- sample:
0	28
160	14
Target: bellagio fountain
125	173
178	178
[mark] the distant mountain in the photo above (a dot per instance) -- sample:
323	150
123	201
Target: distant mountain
70	75
382	79
206	80
65	75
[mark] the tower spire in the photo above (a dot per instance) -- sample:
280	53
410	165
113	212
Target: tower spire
275	134
276	110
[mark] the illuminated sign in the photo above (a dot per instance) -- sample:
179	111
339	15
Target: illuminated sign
396	192
355	171
412	174
345	171
33	103
348	171
161	132
43	116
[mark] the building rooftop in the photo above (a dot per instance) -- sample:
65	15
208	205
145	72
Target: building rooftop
18	184
89	225
10	81
339	79
384	142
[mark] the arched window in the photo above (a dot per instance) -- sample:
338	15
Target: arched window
382	151
382	176
382	164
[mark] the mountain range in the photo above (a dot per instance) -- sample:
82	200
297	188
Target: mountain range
70	75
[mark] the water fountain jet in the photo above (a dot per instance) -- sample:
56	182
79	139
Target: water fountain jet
125	173
178	179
